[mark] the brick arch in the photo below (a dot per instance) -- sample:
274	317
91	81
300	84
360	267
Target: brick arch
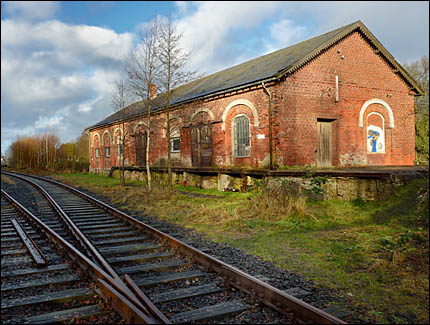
103	136
181	123
203	110
376	101
138	124
240	102
116	130
94	138
173	118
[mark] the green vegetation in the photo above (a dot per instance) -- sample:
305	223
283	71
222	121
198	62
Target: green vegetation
375	254
44	152
419	70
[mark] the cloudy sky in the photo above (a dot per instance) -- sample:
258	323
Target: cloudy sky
58	59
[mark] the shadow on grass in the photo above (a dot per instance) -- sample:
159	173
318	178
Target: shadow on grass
409	206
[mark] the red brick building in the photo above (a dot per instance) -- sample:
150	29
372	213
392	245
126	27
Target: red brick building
339	99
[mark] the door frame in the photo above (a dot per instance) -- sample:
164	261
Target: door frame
328	161
198	128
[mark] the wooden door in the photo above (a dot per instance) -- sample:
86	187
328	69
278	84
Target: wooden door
140	148
324	151
206	145
201	145
195	148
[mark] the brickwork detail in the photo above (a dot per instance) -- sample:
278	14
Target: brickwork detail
299	102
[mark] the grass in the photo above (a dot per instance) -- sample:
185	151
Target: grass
375	254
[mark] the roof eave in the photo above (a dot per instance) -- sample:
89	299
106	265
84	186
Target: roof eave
221	92
372	39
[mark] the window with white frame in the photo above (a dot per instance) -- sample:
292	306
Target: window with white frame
97	152
119	146
242	139
107	146
175	140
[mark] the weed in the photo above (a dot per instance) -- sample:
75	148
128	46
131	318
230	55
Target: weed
377	250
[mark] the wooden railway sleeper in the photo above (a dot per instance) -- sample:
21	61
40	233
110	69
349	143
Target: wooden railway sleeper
126	303
267	294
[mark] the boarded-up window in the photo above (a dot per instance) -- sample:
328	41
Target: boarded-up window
201	140
141	143
242	136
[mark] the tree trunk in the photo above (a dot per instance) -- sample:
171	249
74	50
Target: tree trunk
169	163
122	179
148	171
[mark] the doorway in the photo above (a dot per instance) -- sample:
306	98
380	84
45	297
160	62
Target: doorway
140	137
201	145
324	149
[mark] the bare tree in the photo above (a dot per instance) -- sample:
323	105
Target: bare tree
141	67
173	59
120	100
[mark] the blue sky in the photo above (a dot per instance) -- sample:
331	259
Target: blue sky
58	59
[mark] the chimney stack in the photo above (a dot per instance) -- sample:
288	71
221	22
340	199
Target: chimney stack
153	91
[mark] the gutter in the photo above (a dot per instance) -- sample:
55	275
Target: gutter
270	127
255	83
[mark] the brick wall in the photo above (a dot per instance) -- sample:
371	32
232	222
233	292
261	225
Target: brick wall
306	96
310	94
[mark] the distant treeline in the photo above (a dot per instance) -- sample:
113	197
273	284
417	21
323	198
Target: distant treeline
47	152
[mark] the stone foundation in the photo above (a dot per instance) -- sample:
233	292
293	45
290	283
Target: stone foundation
334	187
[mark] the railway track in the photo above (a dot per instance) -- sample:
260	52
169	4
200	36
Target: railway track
39	283
168	280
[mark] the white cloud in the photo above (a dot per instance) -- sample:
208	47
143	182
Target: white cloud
87	106
44	122
54	74
31	10
81	41
183	7
216	32
208	29
285	33
401	26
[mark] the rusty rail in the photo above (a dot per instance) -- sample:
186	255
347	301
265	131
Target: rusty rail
112	289
32	248
267	294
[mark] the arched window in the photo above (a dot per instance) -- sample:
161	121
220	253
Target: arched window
241	135
96	146
106	143
375	133
119	148
175	139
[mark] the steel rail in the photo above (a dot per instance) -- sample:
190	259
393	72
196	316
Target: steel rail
264	292
129	289
112	289
30	245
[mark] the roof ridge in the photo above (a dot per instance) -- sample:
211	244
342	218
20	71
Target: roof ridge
270	66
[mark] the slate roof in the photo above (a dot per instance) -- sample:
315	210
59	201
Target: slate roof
269	67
